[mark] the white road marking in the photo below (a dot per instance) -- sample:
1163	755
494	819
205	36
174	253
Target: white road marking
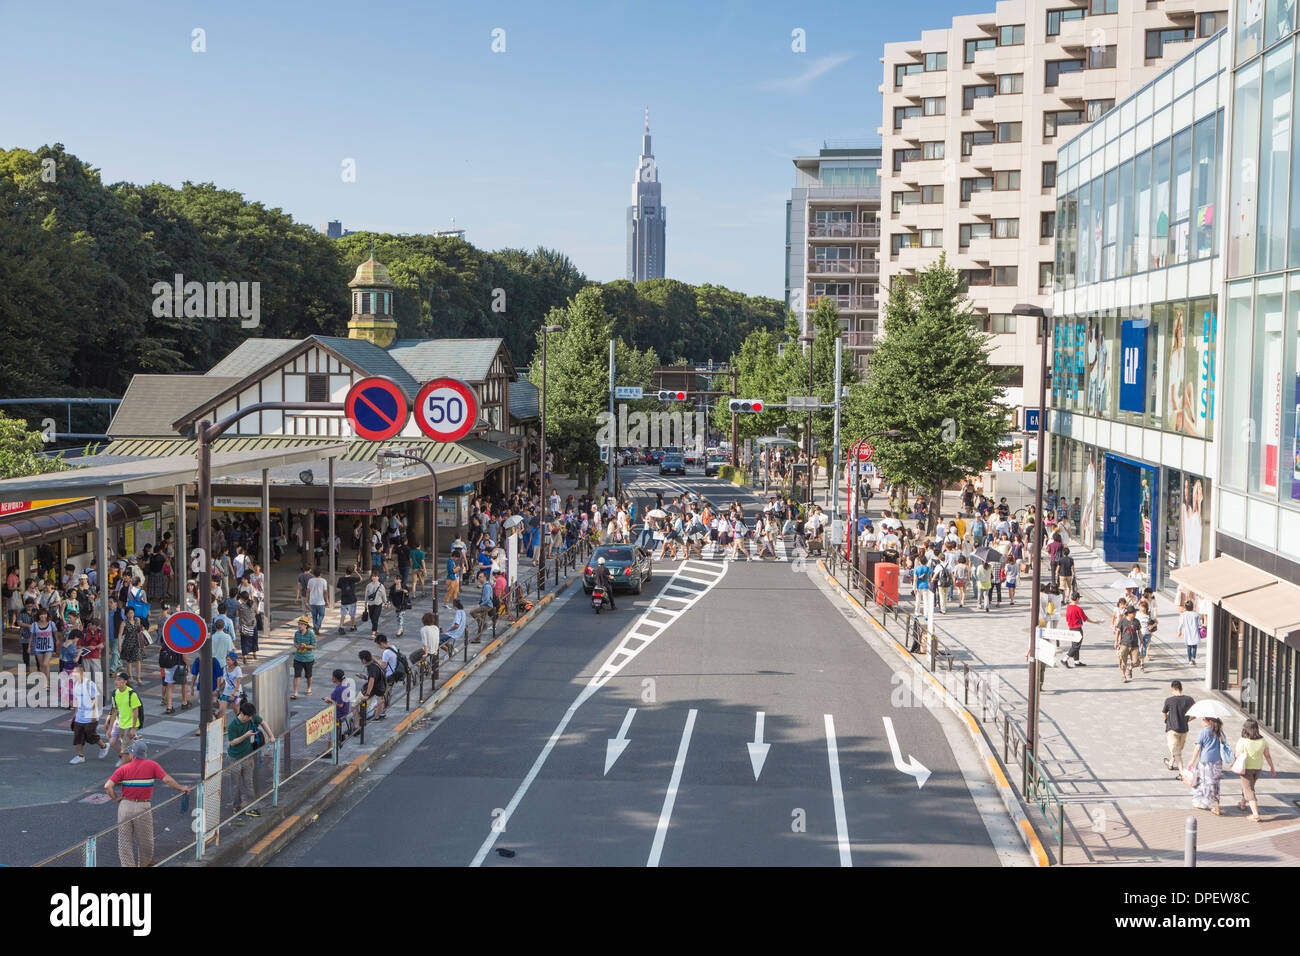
666	814
615	746
620	658
912	767
837	794
758	749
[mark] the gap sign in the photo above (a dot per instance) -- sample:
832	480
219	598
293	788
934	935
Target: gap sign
1133	367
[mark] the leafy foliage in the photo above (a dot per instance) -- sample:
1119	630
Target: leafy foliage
20	449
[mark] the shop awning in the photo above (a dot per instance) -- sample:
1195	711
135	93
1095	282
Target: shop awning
1222	577
1274	609
29	529
492	455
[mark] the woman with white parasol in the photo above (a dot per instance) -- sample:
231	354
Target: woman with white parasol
1205	768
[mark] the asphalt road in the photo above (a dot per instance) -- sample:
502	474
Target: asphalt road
517	773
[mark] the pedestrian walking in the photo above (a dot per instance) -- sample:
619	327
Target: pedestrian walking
1128	640
85	719
376	596
1189	627
1207	765
1074	620
1175	714
318	599
304	655
123	723
246	733
134	815
984	585
1250	753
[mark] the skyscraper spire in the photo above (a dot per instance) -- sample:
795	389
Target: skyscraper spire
647	119
645	217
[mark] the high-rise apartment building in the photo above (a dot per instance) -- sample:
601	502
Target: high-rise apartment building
646	217
832	239
973	115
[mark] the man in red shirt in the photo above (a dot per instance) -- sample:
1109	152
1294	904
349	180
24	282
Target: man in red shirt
1074	618
499	587
134	816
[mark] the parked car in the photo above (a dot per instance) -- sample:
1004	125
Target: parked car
672	465
715	463
629	567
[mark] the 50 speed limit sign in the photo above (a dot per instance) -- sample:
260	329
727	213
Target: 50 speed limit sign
446	409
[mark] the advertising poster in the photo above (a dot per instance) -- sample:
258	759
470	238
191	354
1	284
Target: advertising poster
1295	447
1133	363
1205	374
1271	430
1089	514
1097	356
1192	517
1180	403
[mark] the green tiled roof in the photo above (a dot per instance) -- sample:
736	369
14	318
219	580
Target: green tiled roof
251	355
525	401
368	357
469	451
469	360
150	403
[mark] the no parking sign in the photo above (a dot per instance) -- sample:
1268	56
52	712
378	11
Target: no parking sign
376	408
184	632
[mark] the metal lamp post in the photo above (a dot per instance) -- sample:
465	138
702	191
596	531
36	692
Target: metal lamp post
546	331
1040	316
807	439
433	478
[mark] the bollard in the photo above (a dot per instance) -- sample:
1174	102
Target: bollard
1189	842
334	744
408	691
275	771
965	668
1006	731
91	846
361	723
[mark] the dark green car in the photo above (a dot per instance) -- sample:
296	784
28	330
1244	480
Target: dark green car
629	567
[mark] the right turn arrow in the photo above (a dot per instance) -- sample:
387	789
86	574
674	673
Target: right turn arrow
758	749
913	767
615	746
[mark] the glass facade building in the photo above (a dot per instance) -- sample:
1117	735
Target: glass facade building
1135	330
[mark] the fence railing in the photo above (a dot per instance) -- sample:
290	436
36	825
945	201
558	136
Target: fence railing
935	648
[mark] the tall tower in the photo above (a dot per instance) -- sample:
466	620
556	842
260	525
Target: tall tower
372	303
646	217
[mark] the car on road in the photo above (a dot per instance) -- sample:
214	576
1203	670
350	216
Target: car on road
654	455
714	463
672	465
629	567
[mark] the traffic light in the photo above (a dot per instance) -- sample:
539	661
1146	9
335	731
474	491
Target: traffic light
672	396
745	405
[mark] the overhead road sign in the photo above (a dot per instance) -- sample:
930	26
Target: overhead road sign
376	408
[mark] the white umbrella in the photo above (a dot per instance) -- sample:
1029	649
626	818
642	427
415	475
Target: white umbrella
656	513
1123	584
1211	708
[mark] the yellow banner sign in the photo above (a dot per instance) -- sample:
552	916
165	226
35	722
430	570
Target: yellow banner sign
320	725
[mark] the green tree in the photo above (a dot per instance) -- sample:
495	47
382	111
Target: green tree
20	451
930	378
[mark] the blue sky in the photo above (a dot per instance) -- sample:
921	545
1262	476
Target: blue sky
536	145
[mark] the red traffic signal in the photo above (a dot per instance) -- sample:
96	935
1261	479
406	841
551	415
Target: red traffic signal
672	396
745	406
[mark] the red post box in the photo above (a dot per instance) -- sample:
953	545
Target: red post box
886	581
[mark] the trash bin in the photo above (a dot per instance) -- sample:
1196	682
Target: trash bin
886	582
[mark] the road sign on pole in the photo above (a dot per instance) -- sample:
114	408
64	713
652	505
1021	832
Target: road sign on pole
865	451
376	408
184	632
446	409
627	391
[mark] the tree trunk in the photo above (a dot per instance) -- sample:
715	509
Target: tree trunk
932	516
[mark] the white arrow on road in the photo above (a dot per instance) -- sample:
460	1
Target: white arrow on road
913	766
758	750
615	746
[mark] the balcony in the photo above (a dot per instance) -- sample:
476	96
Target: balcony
982	111
1070	87
1073	36
979	250
1180	9
844	230
846	303
980	203
852	267
859	338
918	129
986	62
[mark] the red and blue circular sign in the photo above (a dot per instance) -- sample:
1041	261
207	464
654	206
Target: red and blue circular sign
376	408
446	409
184	632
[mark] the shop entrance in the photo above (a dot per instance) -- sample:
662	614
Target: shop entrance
1130	511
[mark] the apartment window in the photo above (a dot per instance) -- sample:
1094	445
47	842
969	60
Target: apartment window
1208	24
902	156
1099	7
1055	68
908	198
969	94
1006	228
1053	119
936	61
1098	108
934	105
1047	225
1012	35
1049	175
904	113
972	230
906	240
1008	133
1102	57
1156	40
979	184
932	149
1005	275
931	238
974	46
1012	376
1001	323
1056	17
1045	278
976	277
905	69
931	194
318	388
1005	179
1011	83
976	138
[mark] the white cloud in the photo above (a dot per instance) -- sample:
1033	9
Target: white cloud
801	82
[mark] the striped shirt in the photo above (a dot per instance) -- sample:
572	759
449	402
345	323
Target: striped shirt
137	779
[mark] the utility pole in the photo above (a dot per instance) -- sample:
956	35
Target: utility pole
807	439
835	452
613	435
735	428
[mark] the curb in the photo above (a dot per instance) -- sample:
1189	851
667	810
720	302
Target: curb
254	849
1010	798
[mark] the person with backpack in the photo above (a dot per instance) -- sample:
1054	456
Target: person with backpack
396	667
1065	571
375	686
399	599
127	716
941	582
245	733
172	666
376	597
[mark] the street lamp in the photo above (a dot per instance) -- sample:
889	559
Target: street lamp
542	473
854	450
433	477
1040	316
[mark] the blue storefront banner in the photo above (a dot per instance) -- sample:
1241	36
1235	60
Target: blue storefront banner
1133	367
1031	420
